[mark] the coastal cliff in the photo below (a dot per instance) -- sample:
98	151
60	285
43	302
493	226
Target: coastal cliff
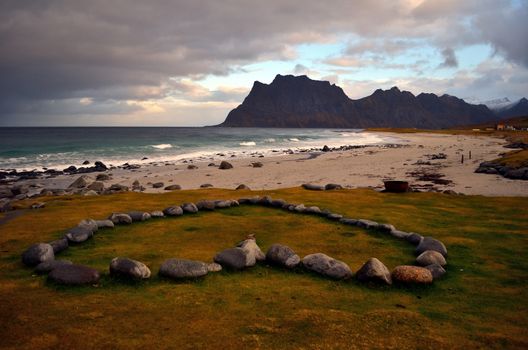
300	102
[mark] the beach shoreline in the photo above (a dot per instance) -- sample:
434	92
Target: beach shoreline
430	162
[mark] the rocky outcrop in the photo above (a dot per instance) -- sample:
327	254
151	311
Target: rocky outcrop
300	102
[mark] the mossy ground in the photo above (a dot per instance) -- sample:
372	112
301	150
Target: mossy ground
480	303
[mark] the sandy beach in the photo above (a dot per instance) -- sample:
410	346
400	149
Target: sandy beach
356	168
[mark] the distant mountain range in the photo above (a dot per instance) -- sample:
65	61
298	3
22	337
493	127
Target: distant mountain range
298	101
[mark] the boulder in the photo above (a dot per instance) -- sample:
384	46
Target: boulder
278	203
191	167
137	216
206	186
252	250
79	234
368	224
312	187
242	187
257	164
90	193
38	205
220	204
412	275
156	214
225	165
189	208
214	267
79	183
158	185
312	210
38	253
96	186
118	188
59	245
436	270
374	271
327	266
333	187
348	221
430	257
388	228
102	177
6	192
172	188
206	205
125	267
104	223
183	268
74	275
231	258
282	255
429	243
334	216
399	234
100	166
414	238
173	211
89	224
120	218
48	266
300	208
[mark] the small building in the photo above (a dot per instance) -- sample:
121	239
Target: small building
500	126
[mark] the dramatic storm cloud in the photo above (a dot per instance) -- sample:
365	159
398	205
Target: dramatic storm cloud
190	62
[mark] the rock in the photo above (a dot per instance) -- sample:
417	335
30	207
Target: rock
374	271
429	243
38	253
6	193
59	245
206	205
282	255
430	257
100	166
206	186
436	270
38	205
414	238
189	208
74	275
300	208
90	224
231	258
172	188
335	217
90	193
396	186
312	210
125	267
104	223
79	183
156	214
412	275
158	185
211	164
96	186
327	266
102	177
79	234
225	165
183	268
348	221
326	148
333	187
5	205
388	228
214	267
312	187
136	185
120	218
137	216
173	211
257	165
118	188
48	266
220	204
368	224
252	250
277	203
191	167
517	174
399	234
242	187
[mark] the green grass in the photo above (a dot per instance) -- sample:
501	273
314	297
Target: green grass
480	303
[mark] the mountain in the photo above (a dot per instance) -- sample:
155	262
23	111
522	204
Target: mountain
516	109
298	101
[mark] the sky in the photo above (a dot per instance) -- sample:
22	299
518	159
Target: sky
188	63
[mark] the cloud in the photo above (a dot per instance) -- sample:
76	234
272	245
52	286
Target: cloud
450	60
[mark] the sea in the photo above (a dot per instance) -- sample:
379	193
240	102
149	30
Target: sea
35	148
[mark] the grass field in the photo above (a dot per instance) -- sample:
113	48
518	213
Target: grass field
481	303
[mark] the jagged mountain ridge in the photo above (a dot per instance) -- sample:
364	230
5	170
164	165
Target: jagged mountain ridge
298	101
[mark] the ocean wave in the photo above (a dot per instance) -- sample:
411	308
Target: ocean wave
162	146
247	143
294	139
270	140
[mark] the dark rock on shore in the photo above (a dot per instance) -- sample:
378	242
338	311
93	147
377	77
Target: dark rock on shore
242	187
158	185
172	188
312	187
74	275
333	187
499	169
38	253
225	165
